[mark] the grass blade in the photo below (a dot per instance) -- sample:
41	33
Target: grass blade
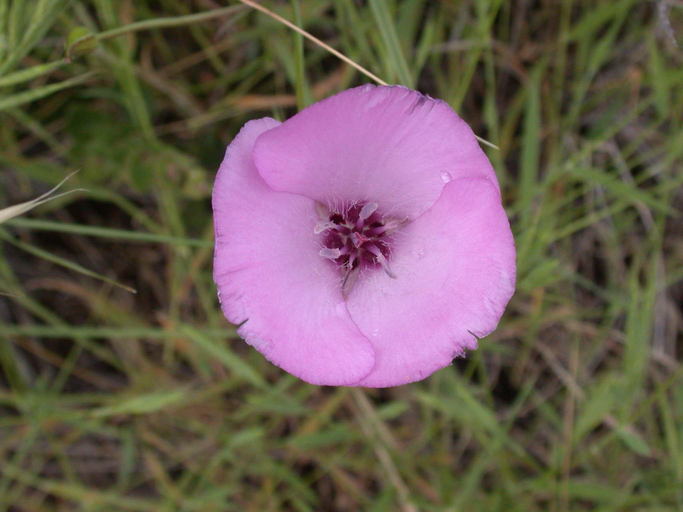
387	29
22	98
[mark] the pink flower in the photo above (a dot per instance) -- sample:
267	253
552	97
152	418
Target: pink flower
362	242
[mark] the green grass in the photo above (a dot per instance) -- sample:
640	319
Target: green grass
114	401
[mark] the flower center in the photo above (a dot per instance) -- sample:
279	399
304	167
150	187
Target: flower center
356	237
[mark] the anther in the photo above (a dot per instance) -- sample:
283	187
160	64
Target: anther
322	211
381	259
331	254
388	227
367	210
349	280
322	226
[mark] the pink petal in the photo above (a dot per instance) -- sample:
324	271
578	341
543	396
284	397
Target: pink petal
270	276
389	145
455	272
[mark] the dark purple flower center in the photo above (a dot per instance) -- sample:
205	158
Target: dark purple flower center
356	237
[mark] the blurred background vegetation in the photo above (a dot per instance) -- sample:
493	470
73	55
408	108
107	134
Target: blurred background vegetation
119	401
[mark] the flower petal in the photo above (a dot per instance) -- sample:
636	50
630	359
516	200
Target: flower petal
389	145
455	272
271	278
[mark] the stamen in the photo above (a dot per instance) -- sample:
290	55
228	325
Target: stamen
381	259
367	210
388	227
331	254
323	226
356	237
322	211
350	279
